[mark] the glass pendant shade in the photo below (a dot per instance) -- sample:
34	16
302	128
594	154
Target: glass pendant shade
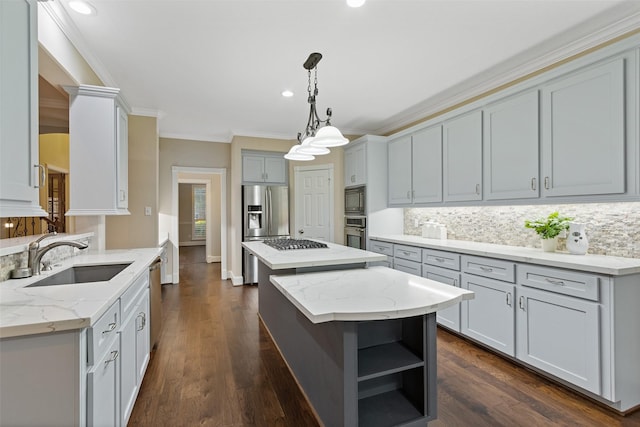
329	136
293	154
307	148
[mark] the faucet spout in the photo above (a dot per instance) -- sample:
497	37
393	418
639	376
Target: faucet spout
36	253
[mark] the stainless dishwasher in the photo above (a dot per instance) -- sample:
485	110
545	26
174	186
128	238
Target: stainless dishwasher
155	301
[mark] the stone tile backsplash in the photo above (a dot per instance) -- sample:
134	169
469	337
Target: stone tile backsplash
612	228
12	261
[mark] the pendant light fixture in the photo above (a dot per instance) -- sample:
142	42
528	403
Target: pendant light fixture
318	134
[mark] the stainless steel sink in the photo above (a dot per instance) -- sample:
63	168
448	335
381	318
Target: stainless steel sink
82	274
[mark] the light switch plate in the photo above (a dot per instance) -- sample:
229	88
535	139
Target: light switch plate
147	210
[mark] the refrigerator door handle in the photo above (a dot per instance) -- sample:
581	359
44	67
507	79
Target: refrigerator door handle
268	210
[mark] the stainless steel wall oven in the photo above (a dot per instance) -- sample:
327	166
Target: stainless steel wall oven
355	232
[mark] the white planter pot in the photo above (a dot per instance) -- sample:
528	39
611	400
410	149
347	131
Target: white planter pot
549	245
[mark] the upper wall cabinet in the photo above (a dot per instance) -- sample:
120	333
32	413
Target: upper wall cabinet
583	132
264	168
20	173
355	165
98	151
511	146
415	168
462	158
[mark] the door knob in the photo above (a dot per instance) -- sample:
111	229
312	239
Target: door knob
301	231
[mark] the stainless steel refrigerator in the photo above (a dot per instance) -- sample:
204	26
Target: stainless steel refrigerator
265	215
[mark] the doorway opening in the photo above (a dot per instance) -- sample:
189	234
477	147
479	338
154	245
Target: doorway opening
215	183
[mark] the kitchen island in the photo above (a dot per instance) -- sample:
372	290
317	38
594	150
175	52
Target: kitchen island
361	342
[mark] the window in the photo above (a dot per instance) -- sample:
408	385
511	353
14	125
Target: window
199	197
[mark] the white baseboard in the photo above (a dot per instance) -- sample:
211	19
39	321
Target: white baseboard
235	280
192	243
213	258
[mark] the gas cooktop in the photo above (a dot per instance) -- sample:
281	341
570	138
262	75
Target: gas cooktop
288	244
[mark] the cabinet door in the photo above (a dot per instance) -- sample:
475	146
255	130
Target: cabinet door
252	168
349	167
400	171
560	335
275	170
583	133
128	368
143	338
489	317
462	158
355	165
103	388
449	317
511	148
19	173
426	164
122	155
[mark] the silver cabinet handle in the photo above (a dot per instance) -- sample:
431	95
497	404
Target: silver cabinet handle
439	259
409	194
521	302
406	253
533	184
42	175
478	189
455	282
509	299
114	356
554	282
112	326
413	194
266	176
546	182
143	320
487	269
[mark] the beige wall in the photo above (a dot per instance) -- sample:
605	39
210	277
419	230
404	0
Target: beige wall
53	152
196	154
138	230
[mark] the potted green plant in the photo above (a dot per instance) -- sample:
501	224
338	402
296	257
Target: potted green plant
549	228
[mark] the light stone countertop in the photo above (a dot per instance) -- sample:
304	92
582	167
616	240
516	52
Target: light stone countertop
609	265
374	293
26	311
317	257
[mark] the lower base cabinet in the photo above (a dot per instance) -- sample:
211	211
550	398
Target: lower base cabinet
448	317
79	377
489	317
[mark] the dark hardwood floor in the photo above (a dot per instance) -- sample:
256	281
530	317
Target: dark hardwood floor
216	365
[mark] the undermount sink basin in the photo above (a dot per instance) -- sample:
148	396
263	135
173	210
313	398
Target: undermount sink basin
82	274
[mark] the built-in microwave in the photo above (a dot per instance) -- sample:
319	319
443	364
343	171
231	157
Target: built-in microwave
354	199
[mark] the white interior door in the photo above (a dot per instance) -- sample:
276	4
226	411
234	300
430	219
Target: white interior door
314	203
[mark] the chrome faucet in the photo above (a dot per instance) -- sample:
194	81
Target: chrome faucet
36	252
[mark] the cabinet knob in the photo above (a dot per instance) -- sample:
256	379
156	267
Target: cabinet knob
301	231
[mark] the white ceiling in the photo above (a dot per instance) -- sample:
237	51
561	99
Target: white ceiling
212	69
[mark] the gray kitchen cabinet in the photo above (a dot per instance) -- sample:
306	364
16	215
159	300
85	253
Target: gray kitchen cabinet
415	168
560	335
98	151
355	165
511	146
462	158
20	172
489	318
450	316
583	132
384	248
264	168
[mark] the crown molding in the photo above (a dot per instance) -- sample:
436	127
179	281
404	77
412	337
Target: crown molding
147	112
221	138
531	61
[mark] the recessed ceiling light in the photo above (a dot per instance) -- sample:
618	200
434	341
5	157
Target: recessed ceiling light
82	7
355	3
287	93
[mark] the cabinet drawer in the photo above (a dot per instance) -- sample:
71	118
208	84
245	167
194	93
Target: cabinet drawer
441	275
130	296
410	253
381	247
441	259
566	282
100	335
489	267
410	267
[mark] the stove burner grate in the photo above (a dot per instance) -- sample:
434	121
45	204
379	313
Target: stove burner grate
291	244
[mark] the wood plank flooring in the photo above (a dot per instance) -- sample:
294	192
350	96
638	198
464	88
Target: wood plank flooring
216	366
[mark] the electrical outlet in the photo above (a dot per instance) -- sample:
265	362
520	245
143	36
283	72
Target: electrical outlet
147	210
416	222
